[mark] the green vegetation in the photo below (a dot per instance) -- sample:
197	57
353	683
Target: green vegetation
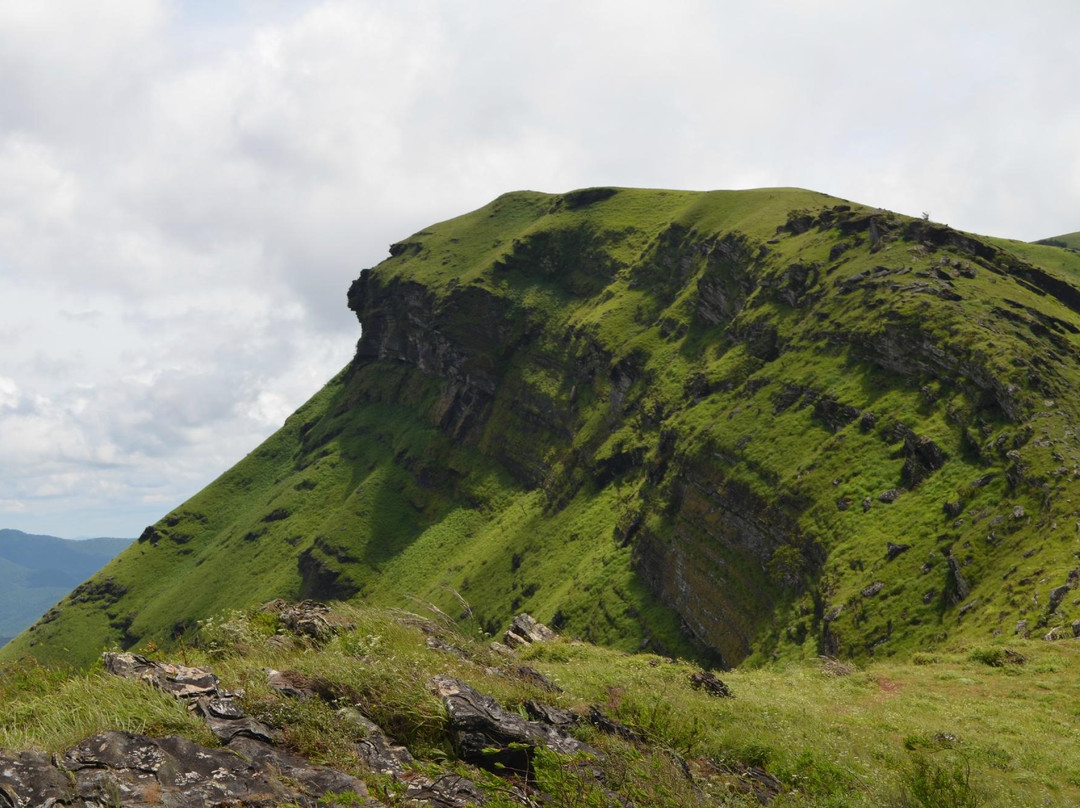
1069	241
950	731
754	426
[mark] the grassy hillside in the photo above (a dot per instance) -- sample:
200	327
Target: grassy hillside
1069	240
37	571
738	425
987	725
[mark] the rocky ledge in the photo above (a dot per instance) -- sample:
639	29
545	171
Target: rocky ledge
253	766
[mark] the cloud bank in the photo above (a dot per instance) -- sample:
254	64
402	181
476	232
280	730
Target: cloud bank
187	189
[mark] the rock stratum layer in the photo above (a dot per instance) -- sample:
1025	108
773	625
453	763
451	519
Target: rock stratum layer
726	424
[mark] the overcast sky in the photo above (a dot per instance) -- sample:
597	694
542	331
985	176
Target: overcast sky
188	188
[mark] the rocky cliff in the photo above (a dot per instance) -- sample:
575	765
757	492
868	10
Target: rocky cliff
734	423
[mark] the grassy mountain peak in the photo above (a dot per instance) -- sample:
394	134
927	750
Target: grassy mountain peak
734	425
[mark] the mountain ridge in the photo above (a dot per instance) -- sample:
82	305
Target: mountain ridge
36	571
735	425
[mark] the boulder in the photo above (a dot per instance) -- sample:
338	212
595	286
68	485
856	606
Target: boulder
176	680
490	736
290	683
545	713
874	589
1057	594
127	769
525	629
892	550
199	687
707	681
305	619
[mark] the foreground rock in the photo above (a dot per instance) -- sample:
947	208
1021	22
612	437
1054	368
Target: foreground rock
199	687
126	769
707	681
525	629
492	737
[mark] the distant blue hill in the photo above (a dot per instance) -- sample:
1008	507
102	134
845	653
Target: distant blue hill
37	571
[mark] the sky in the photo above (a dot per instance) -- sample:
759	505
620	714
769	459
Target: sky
187	188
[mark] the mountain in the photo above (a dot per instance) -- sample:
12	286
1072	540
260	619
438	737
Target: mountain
1069	241
37	571
728	425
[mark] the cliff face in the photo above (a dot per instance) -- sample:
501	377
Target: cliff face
761	422
881	364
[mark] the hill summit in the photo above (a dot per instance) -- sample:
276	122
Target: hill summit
731	425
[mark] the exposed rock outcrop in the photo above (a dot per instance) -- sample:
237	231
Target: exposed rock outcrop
490	736
128	769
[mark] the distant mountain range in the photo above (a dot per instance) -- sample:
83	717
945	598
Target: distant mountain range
37	571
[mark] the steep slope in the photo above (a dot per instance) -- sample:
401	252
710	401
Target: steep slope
37	571
732	423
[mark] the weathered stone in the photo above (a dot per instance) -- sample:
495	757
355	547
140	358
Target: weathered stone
290	683
525	629
308	619
545	713
449	791
1022	628
867	504
833	414
533	676
956	586
889	496
176	680
227	721
923	458
1076	628
514	640
32	779
892	550
199	687
1057	594
874	589
843	503
707	681
838	249
488	735
126	769
599	719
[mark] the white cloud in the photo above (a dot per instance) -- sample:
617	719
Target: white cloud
187	189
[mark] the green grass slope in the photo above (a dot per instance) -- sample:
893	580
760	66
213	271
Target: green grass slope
743	425
1070	241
